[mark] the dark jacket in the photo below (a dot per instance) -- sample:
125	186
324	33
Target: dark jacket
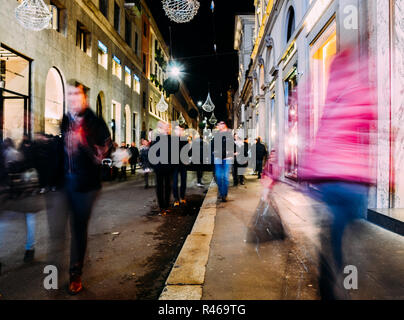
261	151
144	158
134	155
82	166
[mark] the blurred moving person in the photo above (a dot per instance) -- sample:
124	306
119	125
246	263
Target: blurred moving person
339	161
120	158
144	161
223	145
179	169
134	156
86	141
261	153
240	160
160	159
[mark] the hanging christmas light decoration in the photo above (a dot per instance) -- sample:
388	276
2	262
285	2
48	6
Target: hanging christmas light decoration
162	106
33	15
181	11
208	106
181	119
213	120
212	6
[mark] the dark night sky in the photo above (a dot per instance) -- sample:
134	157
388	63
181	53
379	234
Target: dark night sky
197	38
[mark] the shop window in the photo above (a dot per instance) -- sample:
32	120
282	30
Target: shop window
116	68
128	77
83	38
291	114
322	53
102	55
136	83
15	102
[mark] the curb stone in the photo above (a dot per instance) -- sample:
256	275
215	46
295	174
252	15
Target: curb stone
187	276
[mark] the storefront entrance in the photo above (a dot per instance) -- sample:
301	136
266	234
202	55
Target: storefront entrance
15	119
291	134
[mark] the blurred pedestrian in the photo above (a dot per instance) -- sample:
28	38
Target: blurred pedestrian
120	158
180	168
201	158
160	159
42	149
261	153
134	156
26	149
144	161
339	161
223	158
86	141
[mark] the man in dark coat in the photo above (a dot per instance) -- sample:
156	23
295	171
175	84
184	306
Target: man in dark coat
160	160
261	153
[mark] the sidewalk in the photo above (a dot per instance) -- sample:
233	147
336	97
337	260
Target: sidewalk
216	262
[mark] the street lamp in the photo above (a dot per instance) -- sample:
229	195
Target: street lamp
174	70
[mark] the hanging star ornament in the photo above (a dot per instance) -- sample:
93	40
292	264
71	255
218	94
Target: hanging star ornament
181	11
213	119
181	119
162	106
33	15
208	105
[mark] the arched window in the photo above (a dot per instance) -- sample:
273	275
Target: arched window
54	101
290	23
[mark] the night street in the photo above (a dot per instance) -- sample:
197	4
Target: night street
201	154
131	265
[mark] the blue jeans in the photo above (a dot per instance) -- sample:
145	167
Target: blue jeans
346	202
183	172
30	225
222	172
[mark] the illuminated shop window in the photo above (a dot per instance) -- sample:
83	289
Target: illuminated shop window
116	67
102	55
128	76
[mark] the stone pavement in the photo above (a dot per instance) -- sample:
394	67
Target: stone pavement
217	263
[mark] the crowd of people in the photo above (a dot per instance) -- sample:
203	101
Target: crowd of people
70	169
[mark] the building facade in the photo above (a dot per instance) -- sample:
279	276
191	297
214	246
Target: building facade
296	40
96	43
243	44
104	45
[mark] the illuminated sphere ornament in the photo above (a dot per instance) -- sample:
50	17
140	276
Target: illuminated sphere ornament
162	106
33	15
181	11
208	105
